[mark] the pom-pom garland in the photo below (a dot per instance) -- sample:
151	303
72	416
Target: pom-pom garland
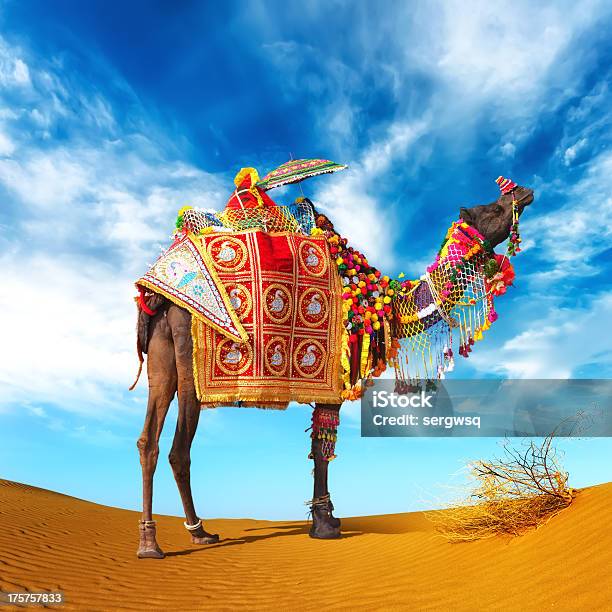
367	306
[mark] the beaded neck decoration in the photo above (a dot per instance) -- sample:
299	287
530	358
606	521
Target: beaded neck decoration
456	293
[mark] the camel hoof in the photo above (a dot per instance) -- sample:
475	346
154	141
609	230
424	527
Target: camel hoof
334	521
150	554
209	538
148	547
324	531
325	526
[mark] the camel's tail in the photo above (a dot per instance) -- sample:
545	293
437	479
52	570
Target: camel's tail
148	305
141	361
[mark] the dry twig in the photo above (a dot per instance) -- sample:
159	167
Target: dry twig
521	491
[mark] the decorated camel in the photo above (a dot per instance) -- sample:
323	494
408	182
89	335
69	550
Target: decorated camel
261	305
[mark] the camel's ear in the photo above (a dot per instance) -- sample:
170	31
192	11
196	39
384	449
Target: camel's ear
465	214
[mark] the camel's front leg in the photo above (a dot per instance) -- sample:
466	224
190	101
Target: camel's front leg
326	418
187	424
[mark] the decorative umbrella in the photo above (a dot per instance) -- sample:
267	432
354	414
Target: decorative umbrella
297	170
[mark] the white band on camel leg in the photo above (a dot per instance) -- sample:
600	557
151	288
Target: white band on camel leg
193	527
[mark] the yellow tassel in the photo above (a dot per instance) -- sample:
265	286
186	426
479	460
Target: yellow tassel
345	361
365	351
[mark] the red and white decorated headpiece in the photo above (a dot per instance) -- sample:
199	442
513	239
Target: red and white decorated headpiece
506	185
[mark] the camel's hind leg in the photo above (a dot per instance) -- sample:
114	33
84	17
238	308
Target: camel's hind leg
161	369
188	417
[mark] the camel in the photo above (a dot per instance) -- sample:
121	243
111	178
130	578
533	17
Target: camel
166	338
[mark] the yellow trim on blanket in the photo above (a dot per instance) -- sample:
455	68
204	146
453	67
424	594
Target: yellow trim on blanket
265	399
252	230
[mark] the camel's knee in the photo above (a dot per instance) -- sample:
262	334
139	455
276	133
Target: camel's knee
148	449
141	444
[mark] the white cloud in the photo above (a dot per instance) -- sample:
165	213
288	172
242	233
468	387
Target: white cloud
491	60
492	67
351	200
93	214
67	330
557	345
489	50
14	72
572	152
21	74
69	318
45	178
571	237
587	104
6	145
328	81
499	58
495	62
507	149
37	411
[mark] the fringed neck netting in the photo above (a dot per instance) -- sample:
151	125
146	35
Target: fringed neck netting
452	302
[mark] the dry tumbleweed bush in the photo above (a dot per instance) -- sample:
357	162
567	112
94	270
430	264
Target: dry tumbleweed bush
520	491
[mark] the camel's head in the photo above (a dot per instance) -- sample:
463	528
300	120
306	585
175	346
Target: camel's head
493	220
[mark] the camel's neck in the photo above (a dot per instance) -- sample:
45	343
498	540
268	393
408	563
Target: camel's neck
456	272
454	294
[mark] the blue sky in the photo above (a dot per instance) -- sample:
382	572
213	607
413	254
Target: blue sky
114	115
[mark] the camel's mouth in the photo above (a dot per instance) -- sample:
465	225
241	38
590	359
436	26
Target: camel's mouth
524	196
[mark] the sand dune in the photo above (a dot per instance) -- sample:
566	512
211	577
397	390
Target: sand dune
52	542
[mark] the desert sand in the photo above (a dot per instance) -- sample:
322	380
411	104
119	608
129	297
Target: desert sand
50	542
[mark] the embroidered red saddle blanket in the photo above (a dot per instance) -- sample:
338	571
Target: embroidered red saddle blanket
267	315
